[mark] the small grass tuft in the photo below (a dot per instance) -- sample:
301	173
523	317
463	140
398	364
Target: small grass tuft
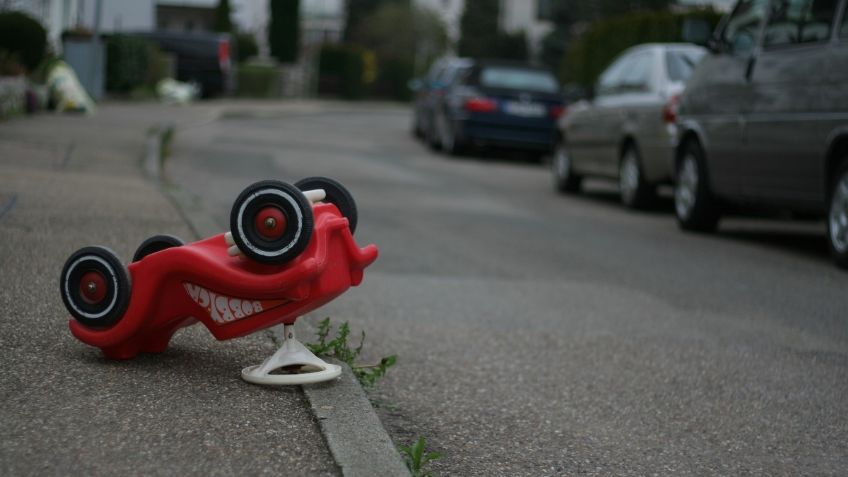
339	348
417	458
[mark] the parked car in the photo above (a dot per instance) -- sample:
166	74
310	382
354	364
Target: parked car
428	91
202	58
764	119
498	103
627	131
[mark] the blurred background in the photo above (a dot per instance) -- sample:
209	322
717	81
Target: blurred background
350	49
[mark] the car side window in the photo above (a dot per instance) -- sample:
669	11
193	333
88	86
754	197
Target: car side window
611	77
843	30
637	74
740	31
799	21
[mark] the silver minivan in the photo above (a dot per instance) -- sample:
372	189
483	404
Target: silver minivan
764	118
627	132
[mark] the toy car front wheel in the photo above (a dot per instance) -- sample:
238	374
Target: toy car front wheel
95	287
271	222
156	243
337	195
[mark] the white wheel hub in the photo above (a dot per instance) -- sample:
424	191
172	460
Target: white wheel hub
838	216
562	163
628	176
686	189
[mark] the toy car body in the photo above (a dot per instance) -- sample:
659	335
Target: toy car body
231	296
170	286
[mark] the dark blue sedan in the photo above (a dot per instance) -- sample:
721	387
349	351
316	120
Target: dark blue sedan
501	104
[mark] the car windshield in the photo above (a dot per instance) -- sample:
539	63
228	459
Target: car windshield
680	63
519	78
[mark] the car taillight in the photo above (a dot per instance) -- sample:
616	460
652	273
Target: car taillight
669	112
224	54
556	112
481	105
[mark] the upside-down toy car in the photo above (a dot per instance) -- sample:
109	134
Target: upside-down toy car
290	250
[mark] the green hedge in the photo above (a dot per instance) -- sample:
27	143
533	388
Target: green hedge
589	54
246	47
342	71
127	62
22	39
393	79
258	81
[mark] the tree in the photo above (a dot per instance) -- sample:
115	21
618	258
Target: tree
403	38
358	10
479	27
284	30
223	23
23	41
482	36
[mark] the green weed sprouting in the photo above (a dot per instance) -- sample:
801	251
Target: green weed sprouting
339	348
417	458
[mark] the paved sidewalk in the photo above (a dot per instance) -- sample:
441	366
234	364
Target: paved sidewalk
71	181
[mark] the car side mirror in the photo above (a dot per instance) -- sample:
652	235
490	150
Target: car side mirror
713	45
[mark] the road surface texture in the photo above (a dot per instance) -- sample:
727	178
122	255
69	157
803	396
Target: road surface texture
71	181
538	334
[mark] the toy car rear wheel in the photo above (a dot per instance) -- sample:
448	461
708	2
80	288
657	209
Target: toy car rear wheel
156	243
95	287
271	222
337	195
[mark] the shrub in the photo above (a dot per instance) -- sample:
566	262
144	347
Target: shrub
590	53
23	38
258	81
127	61
393	78
342	71
246	47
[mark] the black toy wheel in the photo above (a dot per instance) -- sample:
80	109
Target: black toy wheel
337	195
156	243
95	287
271	222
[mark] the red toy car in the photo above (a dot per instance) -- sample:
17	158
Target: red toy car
290	250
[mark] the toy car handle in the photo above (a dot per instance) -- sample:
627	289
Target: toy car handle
313	196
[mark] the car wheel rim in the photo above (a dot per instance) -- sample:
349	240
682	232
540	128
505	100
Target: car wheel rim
629	177
687	186
562	164
838	217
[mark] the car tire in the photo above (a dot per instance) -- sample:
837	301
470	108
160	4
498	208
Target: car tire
95	287
694	206
154	244
271	222
634	190
837	216
565	179
336	194
431	135
451	144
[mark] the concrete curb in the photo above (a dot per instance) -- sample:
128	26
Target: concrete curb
353	432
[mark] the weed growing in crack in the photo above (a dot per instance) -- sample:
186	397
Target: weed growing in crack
339	348
417	458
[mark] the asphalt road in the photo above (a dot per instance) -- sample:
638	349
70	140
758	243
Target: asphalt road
538	334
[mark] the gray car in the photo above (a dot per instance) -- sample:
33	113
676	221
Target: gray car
627	131
764	118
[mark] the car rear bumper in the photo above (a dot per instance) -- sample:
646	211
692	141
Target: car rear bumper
514	136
